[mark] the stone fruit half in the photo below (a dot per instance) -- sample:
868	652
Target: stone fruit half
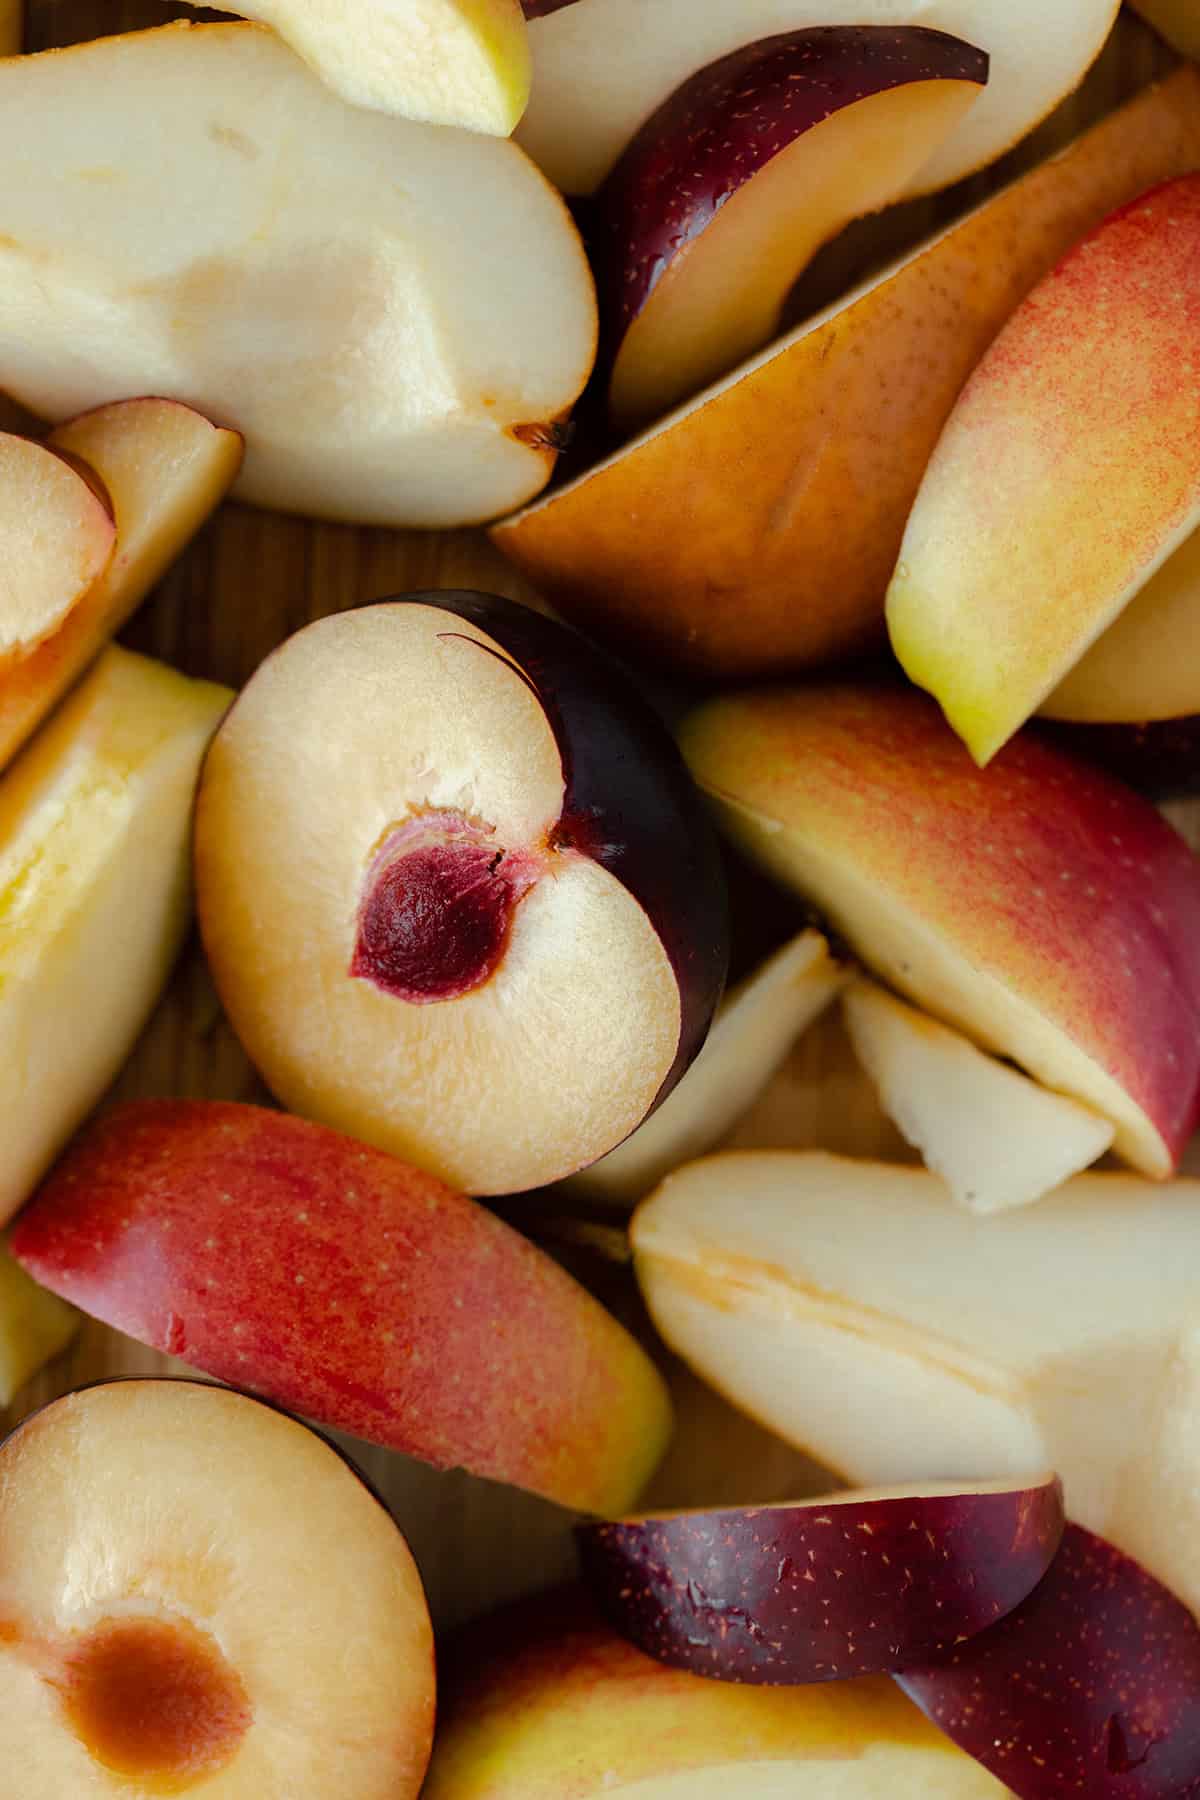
199	1594
458	893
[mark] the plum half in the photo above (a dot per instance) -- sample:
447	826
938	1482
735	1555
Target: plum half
459	895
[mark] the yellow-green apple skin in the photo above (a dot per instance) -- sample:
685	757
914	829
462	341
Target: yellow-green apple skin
34	1326
1177	20
544	1702
1065	477
1039	906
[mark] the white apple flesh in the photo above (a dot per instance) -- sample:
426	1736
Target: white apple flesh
56	538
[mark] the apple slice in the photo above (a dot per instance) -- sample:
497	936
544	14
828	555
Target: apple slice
351	1288
395	351
755	1026
1091	1687
34	1326
755	530
1064	478
602	66
738	178
443	62
94	824
996	1138
164	468
840	1586
56	538
170	1618
1177	20
544	1702
1040	907
458	893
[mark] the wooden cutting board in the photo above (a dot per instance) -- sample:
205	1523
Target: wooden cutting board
252	579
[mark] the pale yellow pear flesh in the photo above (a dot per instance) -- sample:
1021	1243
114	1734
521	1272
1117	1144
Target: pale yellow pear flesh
34	1326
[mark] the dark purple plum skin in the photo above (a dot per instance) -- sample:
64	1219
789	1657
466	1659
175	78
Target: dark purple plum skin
724	124
1092	1687
1160	758
630	803
789	1596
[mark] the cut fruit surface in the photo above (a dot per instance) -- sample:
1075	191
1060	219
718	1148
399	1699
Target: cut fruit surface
755	1026
396	316
458	892
155	1637
995	1137
95	819
1038	906
737	180
602	66
351	1288
56	538
835	1588
1065	476
34	1326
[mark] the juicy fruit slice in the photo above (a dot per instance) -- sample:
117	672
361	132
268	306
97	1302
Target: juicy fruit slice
755	531
435	281
996	1138
736	181
755	1026
56	538
191	1655
1064	478
1091	1687
95	818
544	1702
34	1326
1177	20
838	1587
602	66
351	1288
1039	907
164	469
459	895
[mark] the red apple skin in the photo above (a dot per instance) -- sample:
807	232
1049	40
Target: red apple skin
785	1596
1092	1687
630	803
343	1284
724	124
1160	758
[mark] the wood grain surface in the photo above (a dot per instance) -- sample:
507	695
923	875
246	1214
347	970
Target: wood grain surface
249	581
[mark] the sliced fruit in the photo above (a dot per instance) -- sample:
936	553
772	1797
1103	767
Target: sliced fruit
459	895
959	1347
443	62
1064	477
95	817
353	1289
756	530
1091	1687
1177	20
1040	907
996	1138
34	1326
738	178
169	1622
754	1028
1154	1516
164	468
837	1587
602	66
56	539
395	351
545	1702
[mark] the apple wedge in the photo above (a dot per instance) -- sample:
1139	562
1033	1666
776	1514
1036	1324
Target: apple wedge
34	1326
164	469
755	530
1038	906
1091	1687
755	1026
57	537
837	1587
735	182
996	1138
602	66
544	1702
1064	477
397	317
95	817
351	1288
172	1619
1177	20
442	62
